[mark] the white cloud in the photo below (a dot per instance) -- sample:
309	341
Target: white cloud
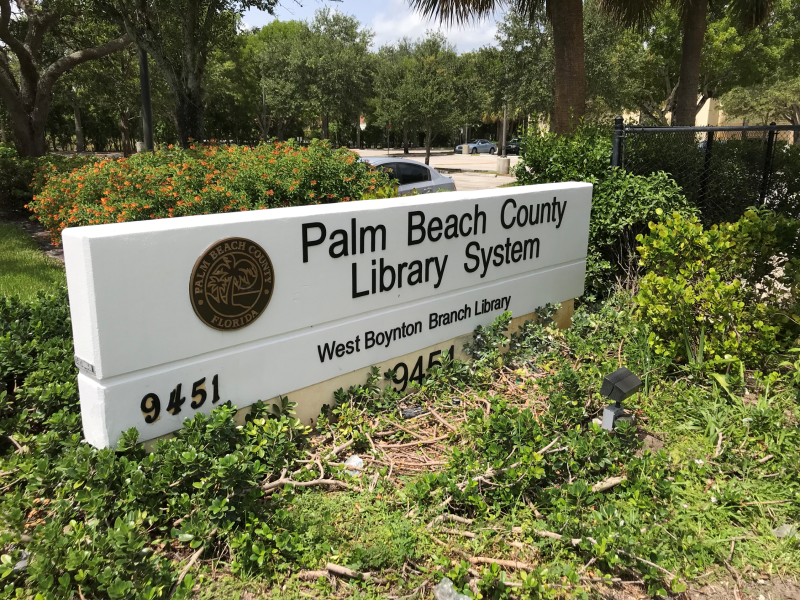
397	20
391	20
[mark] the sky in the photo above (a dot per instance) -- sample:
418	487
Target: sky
390	20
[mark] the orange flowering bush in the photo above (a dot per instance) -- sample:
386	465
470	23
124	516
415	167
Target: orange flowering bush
203	180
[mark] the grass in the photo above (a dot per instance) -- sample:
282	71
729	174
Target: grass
24	269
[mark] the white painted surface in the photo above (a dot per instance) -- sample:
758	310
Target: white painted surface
133	320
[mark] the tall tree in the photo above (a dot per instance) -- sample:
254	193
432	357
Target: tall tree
393	100
43	41
179	35
432	72
282	94
694	19
338	66
566	17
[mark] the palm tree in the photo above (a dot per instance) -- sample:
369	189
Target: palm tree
566	17
694	18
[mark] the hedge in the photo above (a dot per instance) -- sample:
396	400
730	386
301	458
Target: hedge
203	180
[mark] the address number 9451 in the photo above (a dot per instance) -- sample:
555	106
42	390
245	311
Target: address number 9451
151	403
416	373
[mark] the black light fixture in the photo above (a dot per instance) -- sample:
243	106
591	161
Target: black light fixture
617	387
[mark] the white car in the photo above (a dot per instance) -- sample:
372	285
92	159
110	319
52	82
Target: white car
476	146
413	175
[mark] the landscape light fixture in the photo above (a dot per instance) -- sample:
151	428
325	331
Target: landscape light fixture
617	387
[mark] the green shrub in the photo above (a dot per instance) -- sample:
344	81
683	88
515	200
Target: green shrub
622	203
21	178
723	291
94	516
202	180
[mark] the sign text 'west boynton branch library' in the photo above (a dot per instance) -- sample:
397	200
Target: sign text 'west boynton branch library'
170	317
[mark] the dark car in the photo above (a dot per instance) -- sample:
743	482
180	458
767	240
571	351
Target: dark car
512	147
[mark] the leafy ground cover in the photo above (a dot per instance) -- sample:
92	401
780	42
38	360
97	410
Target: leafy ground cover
201	180
504	482
24	270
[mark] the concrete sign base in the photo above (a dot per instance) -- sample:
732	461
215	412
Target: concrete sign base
171	317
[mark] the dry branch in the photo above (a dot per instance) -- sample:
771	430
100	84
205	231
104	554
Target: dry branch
417	443
191	562
408	431
270	487
467	534
647	562
439	418
512	564
607	484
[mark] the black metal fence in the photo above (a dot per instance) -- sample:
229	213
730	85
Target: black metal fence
723	170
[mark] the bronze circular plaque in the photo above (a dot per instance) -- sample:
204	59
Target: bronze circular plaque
231	284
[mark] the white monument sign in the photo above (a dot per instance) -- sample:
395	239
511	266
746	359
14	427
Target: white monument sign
172	316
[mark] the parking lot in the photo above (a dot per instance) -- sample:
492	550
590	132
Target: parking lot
470	172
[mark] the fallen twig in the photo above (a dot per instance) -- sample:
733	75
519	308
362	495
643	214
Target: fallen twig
408	431
338	571
311	575
761	461
467	534
461	553
374	481
513	564
417	443
439	418
607	484
17	445
719	445
647	562
338	449
191	562
270	487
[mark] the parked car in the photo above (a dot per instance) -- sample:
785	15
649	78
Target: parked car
512	147
413	175
476	146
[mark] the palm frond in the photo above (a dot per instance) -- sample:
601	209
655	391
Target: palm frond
631	13
449	12
751	13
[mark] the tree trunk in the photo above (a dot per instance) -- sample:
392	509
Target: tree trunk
325	126
80	139
125	132
694	30
189	116
566	17
280	130
428	145
3	136
405	139
29	132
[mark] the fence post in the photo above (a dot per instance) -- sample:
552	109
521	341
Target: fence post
706	168
619	136
767	164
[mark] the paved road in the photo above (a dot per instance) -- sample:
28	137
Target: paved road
479	181
470	162
471	172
